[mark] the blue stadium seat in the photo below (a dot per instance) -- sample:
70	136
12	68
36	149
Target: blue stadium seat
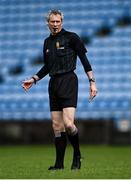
22	32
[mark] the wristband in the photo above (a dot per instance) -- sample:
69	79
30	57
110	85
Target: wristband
34	80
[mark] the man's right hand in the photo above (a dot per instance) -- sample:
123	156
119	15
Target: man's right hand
27	84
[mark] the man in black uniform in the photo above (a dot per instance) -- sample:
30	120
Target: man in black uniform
60	51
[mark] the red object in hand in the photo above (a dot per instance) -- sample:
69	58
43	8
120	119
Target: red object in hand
27	85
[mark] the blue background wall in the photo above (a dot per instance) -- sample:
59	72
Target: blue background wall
104	26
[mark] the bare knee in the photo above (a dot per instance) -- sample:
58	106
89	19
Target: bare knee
68	126
58	127
68	117
71	128
57	122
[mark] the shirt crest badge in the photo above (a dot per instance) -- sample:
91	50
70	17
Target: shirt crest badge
57	45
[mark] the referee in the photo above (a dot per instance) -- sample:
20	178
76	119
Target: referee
60	52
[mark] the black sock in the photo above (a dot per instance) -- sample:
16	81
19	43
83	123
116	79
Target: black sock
60	145
74	140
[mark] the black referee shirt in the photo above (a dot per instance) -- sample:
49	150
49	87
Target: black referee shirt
60	54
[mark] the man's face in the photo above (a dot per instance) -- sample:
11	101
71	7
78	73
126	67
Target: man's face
55	23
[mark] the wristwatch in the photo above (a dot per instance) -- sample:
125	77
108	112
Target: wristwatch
92	80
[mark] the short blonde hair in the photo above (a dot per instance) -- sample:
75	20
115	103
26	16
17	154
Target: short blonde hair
55	12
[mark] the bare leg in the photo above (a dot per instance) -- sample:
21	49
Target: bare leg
68	117
57	122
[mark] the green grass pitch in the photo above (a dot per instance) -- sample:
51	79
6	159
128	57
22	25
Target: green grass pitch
32	162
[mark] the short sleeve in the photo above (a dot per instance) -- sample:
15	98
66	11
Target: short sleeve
77	44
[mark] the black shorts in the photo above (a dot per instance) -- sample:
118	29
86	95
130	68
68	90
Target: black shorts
63	91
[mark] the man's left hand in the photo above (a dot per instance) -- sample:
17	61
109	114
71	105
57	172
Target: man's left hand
93	91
